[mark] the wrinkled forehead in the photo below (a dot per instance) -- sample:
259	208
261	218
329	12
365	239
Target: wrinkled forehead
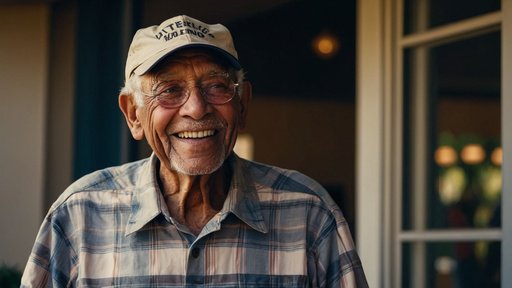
202	56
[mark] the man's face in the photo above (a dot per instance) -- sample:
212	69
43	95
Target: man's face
197	137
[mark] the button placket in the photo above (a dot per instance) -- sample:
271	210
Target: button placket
196	251
195	266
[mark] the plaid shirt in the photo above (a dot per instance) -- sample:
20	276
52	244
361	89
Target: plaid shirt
112	228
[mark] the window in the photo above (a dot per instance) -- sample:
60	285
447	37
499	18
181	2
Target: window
452	165
434	84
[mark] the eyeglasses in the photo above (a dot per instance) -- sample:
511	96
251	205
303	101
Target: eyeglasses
217	89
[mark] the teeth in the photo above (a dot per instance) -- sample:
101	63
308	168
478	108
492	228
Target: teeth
196	134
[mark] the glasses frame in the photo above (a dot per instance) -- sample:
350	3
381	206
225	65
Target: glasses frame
188	91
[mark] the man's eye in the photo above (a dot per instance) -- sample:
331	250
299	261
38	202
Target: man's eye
169	90
217	87
173	89
216	83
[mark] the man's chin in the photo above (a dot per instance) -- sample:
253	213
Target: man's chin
195	167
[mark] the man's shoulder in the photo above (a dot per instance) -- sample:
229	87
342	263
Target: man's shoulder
282	180
115	179
300	195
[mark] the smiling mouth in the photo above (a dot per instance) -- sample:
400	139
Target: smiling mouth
195	134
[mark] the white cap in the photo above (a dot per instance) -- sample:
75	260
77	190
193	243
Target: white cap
151	44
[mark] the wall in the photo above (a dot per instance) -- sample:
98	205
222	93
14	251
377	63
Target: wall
23	78
61	91
315	137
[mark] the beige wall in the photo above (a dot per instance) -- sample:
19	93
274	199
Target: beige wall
23	78
315	137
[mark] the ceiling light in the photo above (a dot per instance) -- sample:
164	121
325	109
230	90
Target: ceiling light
325	45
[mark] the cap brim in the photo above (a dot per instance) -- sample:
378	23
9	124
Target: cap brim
155	59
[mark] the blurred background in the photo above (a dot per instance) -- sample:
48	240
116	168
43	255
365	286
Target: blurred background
395	106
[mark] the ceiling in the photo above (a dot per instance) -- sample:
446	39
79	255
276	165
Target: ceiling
274	42
155	11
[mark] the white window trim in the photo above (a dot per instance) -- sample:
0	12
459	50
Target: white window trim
369	139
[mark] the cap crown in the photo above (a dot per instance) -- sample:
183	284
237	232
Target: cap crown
151	44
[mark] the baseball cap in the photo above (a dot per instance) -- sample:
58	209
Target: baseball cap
152	44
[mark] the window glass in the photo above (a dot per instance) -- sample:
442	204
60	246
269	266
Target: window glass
420	15
452	135
449	264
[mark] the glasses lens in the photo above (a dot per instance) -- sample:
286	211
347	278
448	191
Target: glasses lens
218	89
170	93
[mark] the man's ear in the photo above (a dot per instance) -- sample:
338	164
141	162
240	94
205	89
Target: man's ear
129	108
245	99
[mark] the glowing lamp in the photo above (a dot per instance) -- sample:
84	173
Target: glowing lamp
325	45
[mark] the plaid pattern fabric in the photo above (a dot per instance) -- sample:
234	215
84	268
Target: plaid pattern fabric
278	228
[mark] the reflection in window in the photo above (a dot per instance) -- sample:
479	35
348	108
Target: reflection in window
454	265
452	107
469	181
466	117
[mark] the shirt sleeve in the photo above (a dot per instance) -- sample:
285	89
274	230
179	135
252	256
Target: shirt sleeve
53	261
336	262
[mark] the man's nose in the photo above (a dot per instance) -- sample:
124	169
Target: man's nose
196	106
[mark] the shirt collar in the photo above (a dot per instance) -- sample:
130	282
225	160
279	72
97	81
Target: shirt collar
147	201
242	199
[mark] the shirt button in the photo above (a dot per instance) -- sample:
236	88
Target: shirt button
195	252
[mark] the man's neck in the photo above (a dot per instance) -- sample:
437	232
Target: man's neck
193	200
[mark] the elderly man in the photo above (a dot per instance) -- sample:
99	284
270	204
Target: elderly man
193	213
